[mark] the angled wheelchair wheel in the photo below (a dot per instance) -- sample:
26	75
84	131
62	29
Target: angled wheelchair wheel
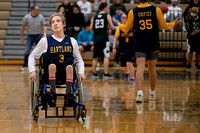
79	98
34	98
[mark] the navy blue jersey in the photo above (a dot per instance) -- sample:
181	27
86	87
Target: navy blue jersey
146	29
126	41
59	53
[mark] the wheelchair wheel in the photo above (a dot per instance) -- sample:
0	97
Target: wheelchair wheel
34	98
79	99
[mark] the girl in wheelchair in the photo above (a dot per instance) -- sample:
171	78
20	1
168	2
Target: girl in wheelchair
59	53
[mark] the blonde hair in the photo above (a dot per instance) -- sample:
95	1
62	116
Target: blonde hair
195	10
60	15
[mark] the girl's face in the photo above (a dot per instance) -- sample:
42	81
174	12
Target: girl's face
124	18
57	24
62	10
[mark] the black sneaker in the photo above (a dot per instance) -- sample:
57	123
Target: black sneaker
94	76
51	99
107	76
197	67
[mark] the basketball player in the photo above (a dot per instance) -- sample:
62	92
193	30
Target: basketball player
99	24
126	42
145	19
59	53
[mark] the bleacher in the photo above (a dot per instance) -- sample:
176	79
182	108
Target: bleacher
5	7
173	45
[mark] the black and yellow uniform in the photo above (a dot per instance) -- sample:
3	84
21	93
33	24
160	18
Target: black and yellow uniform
126	42
100	28
145	19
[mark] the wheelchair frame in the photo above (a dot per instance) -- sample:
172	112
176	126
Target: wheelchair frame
37	98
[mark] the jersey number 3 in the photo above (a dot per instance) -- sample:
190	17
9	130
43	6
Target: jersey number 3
61	58
99	23
145	24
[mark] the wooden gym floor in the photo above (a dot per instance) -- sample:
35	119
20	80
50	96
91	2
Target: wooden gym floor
111	106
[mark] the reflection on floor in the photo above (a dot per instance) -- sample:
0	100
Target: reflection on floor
111	106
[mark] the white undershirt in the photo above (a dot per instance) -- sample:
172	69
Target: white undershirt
42	47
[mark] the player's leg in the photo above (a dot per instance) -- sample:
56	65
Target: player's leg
123	59
140	72
130	66
197	60
140	59
95	59
69	79
152	60
69	100
28	45
190	53
51	97
94	64
152	78
152	73
131	72
52	77
106	54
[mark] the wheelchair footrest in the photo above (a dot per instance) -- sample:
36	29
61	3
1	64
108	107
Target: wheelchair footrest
57	115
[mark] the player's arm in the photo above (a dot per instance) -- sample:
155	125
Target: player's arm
110	22
22	33
117	34
194	33
162	23
40	48
24	23
78	60
91	24
129	23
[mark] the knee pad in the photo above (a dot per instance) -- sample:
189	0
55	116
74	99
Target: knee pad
106	50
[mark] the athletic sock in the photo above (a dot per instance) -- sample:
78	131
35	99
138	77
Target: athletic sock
52	82
68	86
140	92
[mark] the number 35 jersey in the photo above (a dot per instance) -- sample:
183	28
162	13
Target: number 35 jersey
100	27
59	53
146	29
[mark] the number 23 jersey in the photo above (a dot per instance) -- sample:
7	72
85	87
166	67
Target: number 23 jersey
100	27
60	53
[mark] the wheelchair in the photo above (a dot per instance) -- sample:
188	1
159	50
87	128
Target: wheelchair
38	99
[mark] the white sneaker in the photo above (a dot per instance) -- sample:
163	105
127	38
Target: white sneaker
23	68
139	98
152	94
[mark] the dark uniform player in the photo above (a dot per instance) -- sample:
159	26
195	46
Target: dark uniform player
145	19
99	24
59	53
193	37
126	42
